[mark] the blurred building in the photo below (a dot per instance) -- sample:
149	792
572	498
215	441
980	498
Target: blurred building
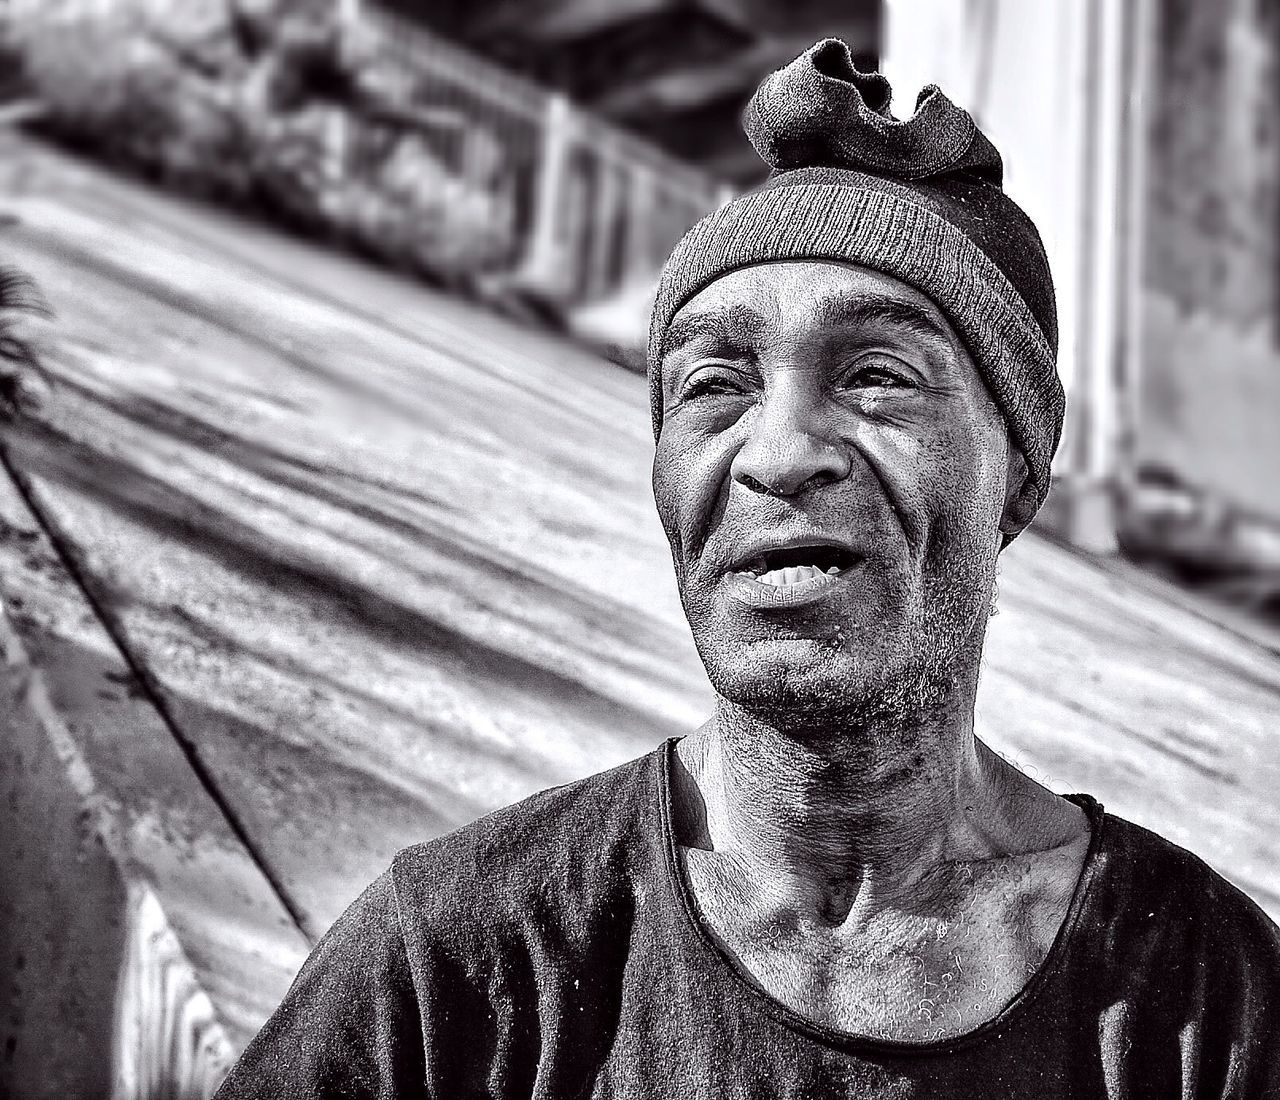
1142	137
675	72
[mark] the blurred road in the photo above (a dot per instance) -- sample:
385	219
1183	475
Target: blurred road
391	560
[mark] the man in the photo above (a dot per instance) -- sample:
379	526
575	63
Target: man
832	888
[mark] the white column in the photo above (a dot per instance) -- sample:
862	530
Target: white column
543	266
338	124
1055	84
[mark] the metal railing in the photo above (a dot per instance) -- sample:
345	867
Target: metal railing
360	125
499	178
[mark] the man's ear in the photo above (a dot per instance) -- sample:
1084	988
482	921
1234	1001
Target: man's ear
1020	496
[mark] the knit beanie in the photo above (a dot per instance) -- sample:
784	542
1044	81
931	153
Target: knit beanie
920	199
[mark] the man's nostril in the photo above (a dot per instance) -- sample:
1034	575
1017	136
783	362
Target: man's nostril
813	481
757	486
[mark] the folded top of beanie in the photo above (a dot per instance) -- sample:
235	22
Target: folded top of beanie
822	111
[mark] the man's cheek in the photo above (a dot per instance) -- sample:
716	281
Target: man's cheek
961	484
691	472
675	499
666	495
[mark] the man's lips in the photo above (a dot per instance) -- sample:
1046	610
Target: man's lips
780	573
768	557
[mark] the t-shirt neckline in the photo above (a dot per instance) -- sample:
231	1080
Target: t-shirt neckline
851	1041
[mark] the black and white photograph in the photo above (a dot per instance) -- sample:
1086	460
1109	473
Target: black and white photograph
640	549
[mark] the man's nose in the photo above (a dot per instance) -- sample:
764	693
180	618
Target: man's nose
790	446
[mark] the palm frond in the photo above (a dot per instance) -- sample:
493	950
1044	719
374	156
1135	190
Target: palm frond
19	362
18	292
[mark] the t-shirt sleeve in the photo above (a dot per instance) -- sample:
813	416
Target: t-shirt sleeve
1241	1055
349	1026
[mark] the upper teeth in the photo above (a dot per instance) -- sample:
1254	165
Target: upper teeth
792	574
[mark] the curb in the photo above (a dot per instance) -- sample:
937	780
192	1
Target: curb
140	944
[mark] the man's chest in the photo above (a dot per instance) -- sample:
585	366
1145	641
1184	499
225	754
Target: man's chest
901	975
920	985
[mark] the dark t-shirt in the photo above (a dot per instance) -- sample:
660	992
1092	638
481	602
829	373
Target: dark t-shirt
553	950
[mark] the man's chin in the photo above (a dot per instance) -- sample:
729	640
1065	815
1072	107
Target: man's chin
794	674
804	683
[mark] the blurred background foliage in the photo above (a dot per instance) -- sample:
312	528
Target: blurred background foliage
283	105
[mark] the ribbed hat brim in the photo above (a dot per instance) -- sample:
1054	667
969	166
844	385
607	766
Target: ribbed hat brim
879	229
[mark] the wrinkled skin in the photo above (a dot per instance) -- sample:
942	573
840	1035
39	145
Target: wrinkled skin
861	854
782	412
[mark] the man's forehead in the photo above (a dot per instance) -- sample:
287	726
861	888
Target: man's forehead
746	304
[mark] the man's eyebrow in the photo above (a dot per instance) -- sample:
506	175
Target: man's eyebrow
735	326
845	312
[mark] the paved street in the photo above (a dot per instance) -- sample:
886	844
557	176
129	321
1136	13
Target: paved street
391	562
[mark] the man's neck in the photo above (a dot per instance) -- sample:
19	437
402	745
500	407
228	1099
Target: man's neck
842	819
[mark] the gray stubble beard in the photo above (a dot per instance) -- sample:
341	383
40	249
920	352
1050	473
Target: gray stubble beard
892	708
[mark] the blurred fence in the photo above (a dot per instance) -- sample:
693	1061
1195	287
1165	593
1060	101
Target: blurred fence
357	124
568	208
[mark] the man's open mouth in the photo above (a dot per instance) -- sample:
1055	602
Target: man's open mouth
796	564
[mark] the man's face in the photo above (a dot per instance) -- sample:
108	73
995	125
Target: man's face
831	474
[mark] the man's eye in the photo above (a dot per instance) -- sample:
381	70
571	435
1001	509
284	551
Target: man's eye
874	376
704	385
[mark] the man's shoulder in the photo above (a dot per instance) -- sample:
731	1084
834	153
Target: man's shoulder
1197	910
559	843
1192	958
